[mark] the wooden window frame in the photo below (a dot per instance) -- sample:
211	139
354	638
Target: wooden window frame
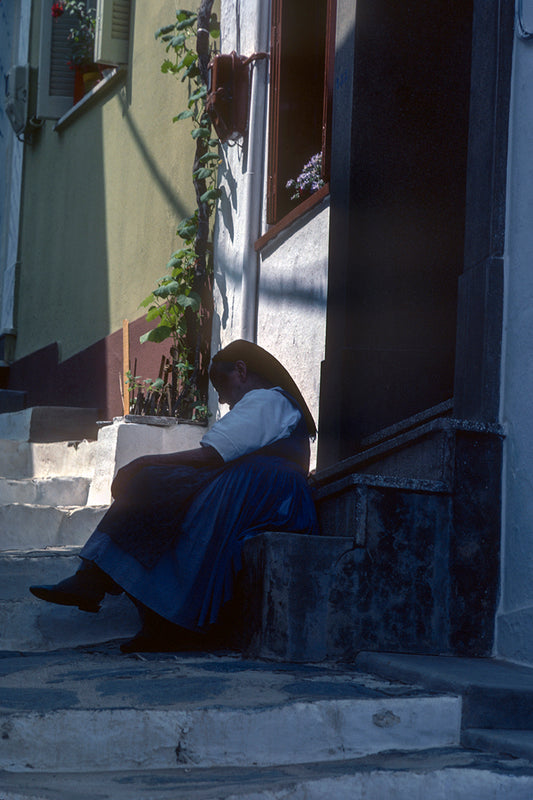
273	215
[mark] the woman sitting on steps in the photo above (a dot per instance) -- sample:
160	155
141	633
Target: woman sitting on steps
172	538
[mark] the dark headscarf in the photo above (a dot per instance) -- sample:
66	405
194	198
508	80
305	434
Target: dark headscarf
267	366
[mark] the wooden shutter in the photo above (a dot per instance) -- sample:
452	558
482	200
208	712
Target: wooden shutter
55	86
112	37
273	133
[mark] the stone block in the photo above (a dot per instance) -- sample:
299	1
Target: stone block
289	583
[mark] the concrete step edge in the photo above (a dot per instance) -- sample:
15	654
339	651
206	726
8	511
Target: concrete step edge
32	527
435	774
165	738
495	693
510	742
51	490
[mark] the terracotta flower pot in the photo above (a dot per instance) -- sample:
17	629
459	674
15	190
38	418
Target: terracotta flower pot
85	78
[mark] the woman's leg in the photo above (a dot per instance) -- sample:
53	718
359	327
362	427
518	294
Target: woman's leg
85	589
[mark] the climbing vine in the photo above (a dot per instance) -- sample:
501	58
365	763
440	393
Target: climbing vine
182	301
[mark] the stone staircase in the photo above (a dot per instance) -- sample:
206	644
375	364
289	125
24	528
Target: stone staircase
80	720
56	468
91	723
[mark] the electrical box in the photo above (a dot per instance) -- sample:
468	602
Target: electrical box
17	98
228	95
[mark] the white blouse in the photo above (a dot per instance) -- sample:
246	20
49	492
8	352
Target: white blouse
261	417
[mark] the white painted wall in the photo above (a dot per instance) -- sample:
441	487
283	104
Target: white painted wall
14	44
291	270
514	625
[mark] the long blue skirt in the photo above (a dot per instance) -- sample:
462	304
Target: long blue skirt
195	577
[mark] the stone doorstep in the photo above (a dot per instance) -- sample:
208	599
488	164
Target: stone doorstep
438	774
34	526
496	694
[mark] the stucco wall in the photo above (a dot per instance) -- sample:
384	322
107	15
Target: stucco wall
102	200
292	301
515	618
291	270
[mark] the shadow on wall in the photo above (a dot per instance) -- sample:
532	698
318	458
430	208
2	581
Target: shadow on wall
89	379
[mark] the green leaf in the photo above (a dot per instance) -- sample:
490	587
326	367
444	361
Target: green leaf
172	287
211	194
158	334
153	313
165	30
187	230
158	385
209	157
203	173
185	13
191	73
167	66
191	300
147	301
178	41
184	115
200	133
175	261
185	23
189	58
201	92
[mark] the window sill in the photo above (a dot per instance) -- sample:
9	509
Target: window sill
301	209
101	89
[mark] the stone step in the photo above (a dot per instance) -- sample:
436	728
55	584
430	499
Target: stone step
437	774
49	424
72	710
496	694
29	624
26	526
45	491
22	459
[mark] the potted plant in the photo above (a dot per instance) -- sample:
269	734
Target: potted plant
309	180
81	38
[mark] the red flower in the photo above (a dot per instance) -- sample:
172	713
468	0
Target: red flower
57	10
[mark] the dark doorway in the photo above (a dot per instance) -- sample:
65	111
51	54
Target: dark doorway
397	251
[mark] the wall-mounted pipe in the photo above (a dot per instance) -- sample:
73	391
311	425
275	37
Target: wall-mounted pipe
253	177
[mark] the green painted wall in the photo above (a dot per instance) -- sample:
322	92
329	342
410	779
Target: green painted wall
101	201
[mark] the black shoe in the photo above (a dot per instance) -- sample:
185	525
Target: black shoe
71	592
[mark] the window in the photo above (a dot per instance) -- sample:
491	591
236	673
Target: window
112	36
55	90
302	49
